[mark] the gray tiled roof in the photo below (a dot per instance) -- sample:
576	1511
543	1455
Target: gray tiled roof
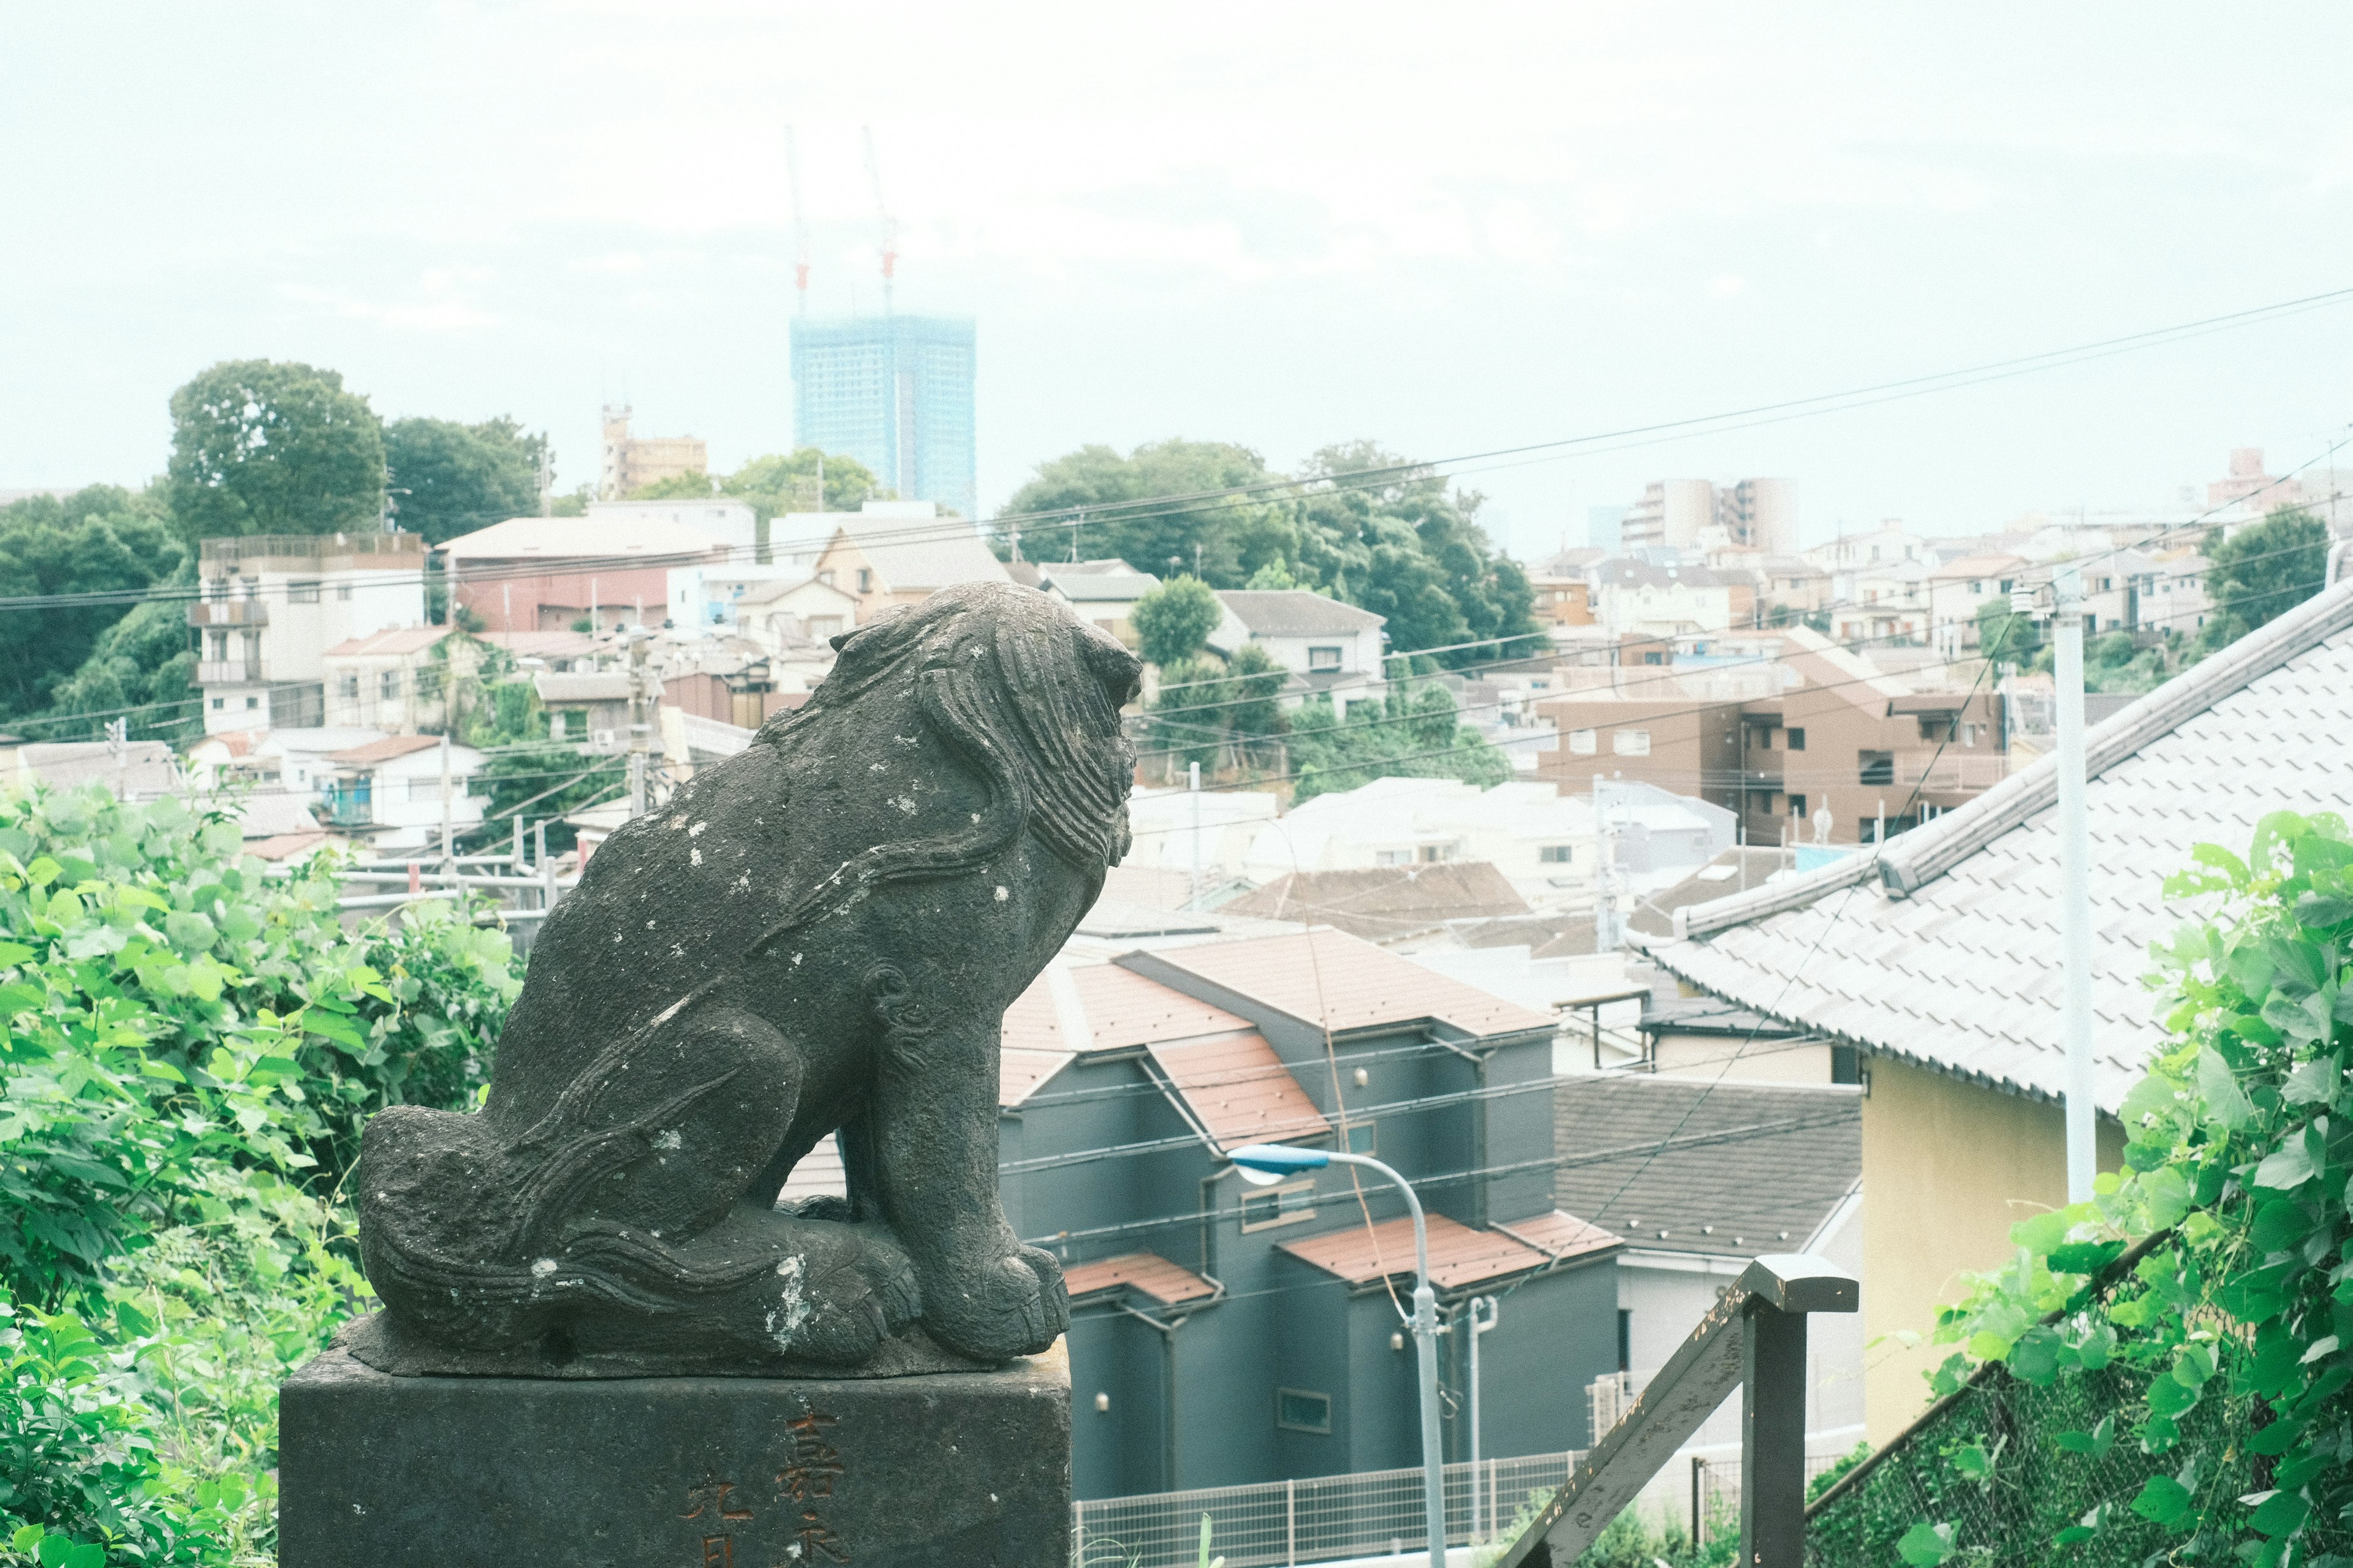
1944	949
1295	612
1719	1167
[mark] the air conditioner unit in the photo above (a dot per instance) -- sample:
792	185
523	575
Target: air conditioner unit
603	737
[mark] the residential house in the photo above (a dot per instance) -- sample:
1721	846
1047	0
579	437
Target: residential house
1332	649
1790	583
551	574
1564	588
1389	904
730	524
1180	830
1838	737
298	760
399	792
1937	960
1884	601
887	552
1700	1177
279	827
1222	1334
592	709
1889	542
557	650
787	614
1102	592
1959	588
396	681
133	769
270	605
1638	598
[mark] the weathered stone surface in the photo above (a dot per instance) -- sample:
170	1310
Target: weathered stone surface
819	935
964	1469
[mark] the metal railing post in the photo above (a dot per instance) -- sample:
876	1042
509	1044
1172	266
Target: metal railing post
1291	1523
1773	1439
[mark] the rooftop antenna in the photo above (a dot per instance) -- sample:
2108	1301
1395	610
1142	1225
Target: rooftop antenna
800	222
883	213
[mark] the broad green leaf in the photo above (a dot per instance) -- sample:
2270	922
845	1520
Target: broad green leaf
2314	1082
2170	1398
2281	1513
89	1554
2162	1502
2290	1165
151	1067
2096	1442
1973	1462
2084	1256
2226	1102
1926	1545
53	1550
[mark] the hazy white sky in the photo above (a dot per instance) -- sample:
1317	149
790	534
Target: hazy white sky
1450	228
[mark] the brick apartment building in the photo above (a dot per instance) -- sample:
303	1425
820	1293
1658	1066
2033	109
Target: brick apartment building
1841	737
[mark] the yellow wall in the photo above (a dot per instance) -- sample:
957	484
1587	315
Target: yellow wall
1947	1168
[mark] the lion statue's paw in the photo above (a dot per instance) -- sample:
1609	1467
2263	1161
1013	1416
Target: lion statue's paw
1014	1304
844	1291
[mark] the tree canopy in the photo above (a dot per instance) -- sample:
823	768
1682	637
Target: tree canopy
1400	544
261	447
98	540
2262	571
459	477
1174	621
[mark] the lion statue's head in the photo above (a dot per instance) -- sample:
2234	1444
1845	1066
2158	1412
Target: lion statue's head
1023	686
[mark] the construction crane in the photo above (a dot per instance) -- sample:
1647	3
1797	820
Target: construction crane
882	213
800	220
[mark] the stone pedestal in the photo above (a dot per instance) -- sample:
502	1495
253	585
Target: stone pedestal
969	1469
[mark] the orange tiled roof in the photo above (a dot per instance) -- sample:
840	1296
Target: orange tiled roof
1562	1234
1458	1255
1121	1011
1337	981
1238	1089
1163	1281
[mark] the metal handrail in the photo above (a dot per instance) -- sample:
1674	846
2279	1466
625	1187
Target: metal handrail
1753	1340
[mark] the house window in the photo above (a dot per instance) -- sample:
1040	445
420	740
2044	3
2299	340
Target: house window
1392	857
1297	1410
1876	767
1363	1138
1798	805
1556	854
1631	742
1976	587
1796	741
1323	659
1286	1204
865	580
826	577
347	687
252	702
388	685
558	724
1625	1339
344	592
301	592
1433	853
220	703
2007	584
1581	743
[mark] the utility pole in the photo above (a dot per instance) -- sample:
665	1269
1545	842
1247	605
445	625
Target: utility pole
1193	783
546	476
2075	875
448	808
118	746
640	730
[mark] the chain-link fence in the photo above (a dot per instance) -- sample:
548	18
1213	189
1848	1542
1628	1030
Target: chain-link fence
1318	1519
2007	1465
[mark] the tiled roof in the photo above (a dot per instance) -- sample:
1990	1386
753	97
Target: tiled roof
1155	1276
1239	1090
384	750
1561	1234
1735	871
394	640
1388	901
1338	982
1295	612
619	540
1021	1073
1944	949
586	686
1459	1255
1115	1010
1692	1166
916	555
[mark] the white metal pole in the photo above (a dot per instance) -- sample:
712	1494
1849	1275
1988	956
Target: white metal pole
2075	879
1481	1524
1193	783
1424	1324
448	810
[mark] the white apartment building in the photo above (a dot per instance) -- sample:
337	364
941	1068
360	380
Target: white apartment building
726	522
1694	515
1635	598
1883	546
272	606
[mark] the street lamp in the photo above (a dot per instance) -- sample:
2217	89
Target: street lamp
1263	1164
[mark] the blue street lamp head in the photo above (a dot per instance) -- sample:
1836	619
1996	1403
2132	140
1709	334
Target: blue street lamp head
1263	1164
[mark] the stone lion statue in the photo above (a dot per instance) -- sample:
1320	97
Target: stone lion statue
819	935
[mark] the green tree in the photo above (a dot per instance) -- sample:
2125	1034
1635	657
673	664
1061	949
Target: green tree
1174	621
1222	539
1211	712
459	477
101	540
2005	635
141	668
675	487
782	482
2262	571
260	446
1407	734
